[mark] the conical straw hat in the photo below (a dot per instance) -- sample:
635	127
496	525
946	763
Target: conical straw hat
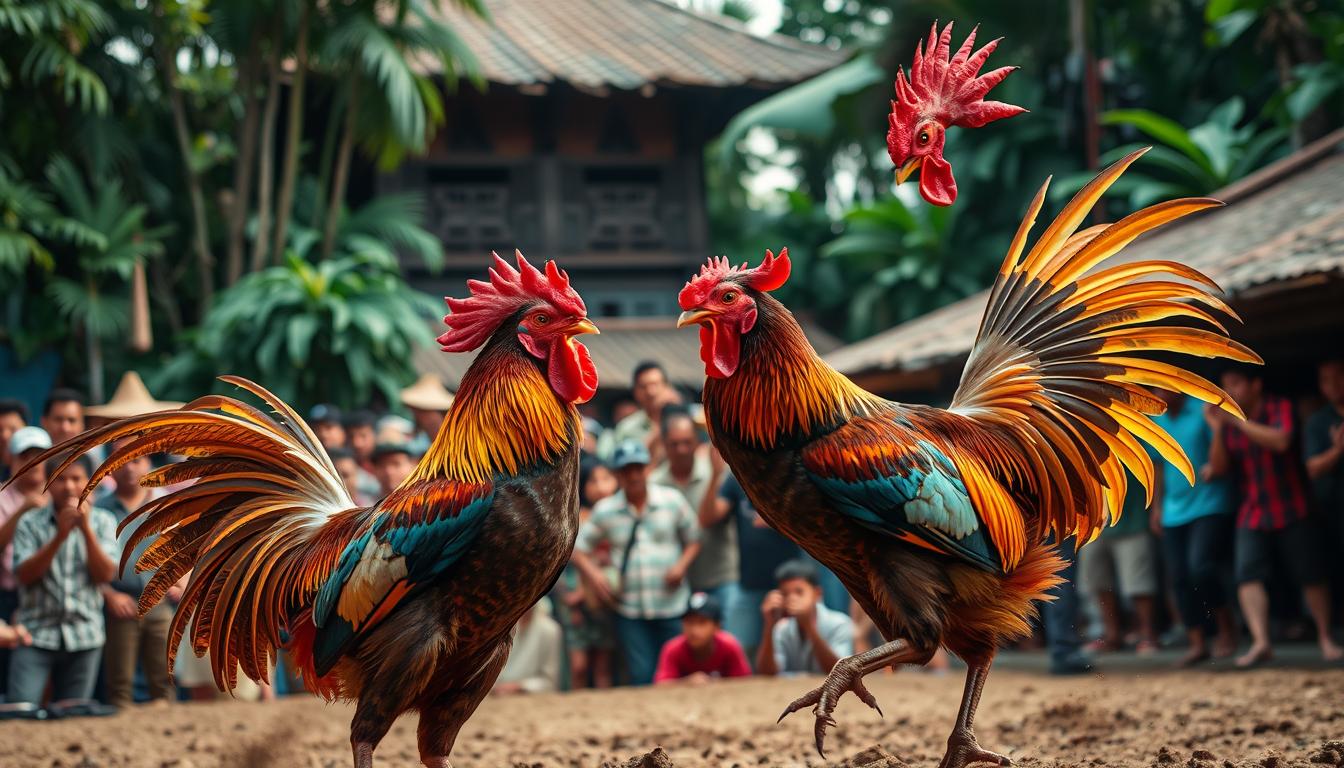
427	394
132	398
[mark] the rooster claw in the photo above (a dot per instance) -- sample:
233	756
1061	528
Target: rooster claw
845	676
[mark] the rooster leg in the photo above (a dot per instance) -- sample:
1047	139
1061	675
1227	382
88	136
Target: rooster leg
368	728
962	748
441	720
847	675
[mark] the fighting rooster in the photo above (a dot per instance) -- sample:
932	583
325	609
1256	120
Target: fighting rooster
404	605
943	90
940	522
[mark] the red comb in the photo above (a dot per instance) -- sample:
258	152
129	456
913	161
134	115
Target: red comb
475	318
772	272
946	87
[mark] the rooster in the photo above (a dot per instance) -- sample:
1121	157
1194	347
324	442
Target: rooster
944	89
405	605
942	523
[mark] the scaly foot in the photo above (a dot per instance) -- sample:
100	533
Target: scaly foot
965	750
846	675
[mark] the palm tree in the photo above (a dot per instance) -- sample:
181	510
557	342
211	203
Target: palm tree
97	300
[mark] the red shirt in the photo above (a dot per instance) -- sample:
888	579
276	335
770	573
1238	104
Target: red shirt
725	660
1272	485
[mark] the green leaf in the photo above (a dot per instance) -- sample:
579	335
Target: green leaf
1163	129
301	330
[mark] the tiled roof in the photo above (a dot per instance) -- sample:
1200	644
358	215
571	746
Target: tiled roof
623	344
1283	223
597	44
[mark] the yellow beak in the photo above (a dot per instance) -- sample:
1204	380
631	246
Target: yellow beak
910	167
583	326
692	317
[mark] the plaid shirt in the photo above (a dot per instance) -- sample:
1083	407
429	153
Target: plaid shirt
667	528
1272	486
64	609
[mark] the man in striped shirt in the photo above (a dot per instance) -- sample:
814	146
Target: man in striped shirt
1263	456
654	536
62	552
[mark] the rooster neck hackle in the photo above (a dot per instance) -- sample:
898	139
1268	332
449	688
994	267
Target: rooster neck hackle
782	390
504	420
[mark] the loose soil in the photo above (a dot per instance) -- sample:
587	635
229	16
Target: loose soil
1273	718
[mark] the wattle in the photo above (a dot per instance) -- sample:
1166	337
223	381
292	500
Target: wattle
936	183
720	349
571	371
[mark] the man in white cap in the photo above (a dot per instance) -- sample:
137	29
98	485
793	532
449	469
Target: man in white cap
23	496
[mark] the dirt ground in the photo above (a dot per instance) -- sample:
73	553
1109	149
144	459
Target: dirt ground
1264	719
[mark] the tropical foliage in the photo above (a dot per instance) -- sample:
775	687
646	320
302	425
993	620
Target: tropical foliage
224	133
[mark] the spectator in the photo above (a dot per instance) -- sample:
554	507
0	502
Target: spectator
62	553
623	408
651	392
534	661
703	651
393	429
654	538
13	636
592	435
63	414
760	551
1194	525
325	419
392	464
588	623
687	469
1121	564
348	468
130	637
1325	447
1059	619
1272	516
429	402
23	496
803	635
13	417
361	437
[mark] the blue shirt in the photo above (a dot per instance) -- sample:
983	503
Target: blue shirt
1182	502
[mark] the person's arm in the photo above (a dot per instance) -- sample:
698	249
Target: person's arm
1219	461
1325	447
714	507
821	647
101	545
29	503
666	672
1276	435
677	573
772	610
688	530
33	562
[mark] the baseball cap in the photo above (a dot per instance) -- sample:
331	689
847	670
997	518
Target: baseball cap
387	449
705	605
28	438
324	413
630	452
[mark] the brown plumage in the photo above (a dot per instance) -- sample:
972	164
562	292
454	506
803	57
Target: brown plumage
405	605
941	523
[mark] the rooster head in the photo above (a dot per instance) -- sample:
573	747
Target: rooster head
548	314
943	90
722	301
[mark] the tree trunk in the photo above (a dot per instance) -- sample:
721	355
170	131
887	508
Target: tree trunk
243	166
205	262
340	174
266	177
284	204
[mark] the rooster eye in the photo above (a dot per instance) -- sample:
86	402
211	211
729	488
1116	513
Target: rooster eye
541	318
728	297
923	137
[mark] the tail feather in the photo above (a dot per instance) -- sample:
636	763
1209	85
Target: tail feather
1053	366
260	526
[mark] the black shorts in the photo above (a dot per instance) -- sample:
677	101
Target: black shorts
1297	547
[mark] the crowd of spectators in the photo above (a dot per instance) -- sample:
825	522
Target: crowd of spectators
675	577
